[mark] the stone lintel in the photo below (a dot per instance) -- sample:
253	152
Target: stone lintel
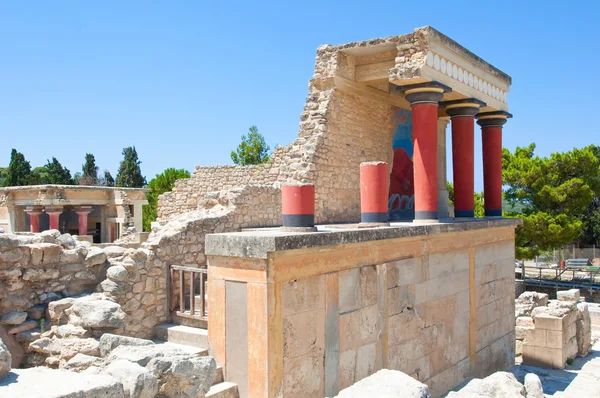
259	243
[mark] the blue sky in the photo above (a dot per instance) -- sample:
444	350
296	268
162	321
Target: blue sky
183	80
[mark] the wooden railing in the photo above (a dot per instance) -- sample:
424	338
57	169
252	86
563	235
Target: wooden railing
183	284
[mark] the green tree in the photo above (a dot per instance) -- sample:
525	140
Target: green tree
109	181
479	209
19	170
89	170
160	184
130	174
56	174
555	194
252	150
3	175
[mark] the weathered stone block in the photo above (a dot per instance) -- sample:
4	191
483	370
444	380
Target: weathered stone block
304	333
405	272
548	322
447	285
365	360
400	298
304	377
303	295
349	290
445	264
368	286
403	327
571	295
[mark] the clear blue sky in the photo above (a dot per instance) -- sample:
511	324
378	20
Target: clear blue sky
183	80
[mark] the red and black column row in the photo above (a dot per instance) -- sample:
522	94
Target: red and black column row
462	115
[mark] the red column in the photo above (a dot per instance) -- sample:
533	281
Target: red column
34	220
463	148
374	190
424	106
53	215
298	206
82	214
491	137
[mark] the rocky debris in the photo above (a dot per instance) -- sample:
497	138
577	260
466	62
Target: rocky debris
44	382
386	384
5	360
8	241
109	342
46	345
95	311
571	295
116	273
533	386
528	301
584	330
180	374
46	298
13	318
16	350
28	336
114	251
71	347
497	385
95	256
25	326
50	235
37	312
183	376
70	331
66	241
56	309
138	382
81	362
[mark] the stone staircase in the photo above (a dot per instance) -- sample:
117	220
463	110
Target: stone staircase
196	339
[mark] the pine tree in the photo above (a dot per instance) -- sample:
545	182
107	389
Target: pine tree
109	181
19	170
160	184
130	174
90	171
57	174
252	150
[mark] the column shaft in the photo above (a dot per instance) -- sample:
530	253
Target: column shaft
463	147
424	116
83	222
492	170
34	221
54	216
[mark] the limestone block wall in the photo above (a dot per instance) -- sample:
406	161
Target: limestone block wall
439	307
551	332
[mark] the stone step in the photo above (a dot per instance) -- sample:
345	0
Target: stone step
223	390
218	376
185	348
187	321
184	335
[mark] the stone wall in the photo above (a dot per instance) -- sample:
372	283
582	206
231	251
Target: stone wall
37	269
436	302
340	127
551	332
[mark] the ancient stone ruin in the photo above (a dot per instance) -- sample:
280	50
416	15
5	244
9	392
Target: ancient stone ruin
372	272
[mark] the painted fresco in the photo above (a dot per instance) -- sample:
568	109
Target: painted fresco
401	198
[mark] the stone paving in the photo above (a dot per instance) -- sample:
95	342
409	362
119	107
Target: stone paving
581	379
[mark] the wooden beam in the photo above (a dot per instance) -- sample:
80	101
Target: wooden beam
372	93
376	72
